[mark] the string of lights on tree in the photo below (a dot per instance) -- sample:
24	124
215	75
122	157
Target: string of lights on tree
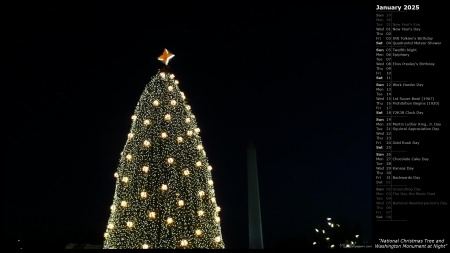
164	196
332	236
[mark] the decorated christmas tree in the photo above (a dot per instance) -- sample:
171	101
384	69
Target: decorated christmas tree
164	195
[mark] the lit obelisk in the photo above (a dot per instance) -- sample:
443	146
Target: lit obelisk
255	235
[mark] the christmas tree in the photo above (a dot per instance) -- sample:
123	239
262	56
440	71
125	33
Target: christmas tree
164	195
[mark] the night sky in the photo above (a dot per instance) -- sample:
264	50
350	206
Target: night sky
295	80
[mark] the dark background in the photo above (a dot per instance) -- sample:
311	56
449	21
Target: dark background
295	80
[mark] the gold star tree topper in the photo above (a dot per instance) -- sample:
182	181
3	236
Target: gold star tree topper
166	56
